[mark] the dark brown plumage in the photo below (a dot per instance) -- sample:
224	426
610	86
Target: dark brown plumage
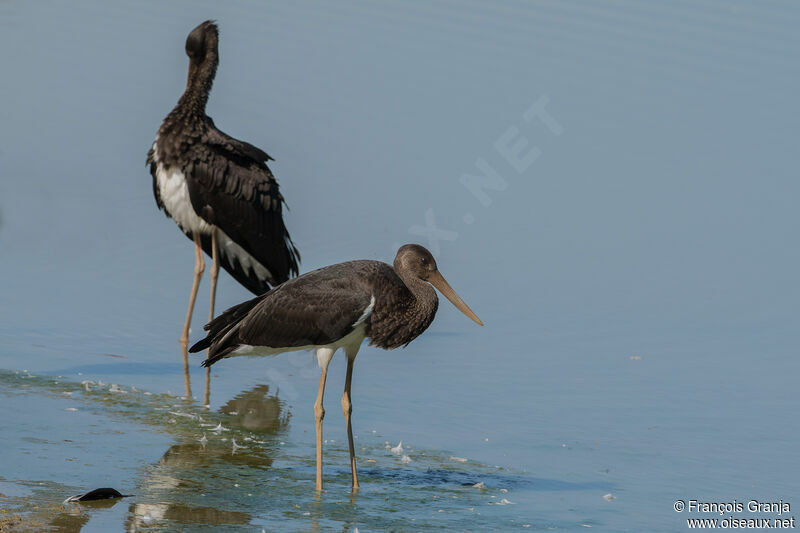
336	307
229	184
322	306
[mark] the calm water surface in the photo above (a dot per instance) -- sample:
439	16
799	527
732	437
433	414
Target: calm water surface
633	255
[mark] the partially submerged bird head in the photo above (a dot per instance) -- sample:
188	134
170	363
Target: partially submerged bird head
416	261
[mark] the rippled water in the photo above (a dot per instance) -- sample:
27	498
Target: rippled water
635	264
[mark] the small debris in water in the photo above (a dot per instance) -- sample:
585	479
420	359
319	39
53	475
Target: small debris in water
609	497
504	490
397	450
371	461
504	502
72	409
636	358
458	459
479	485
405	459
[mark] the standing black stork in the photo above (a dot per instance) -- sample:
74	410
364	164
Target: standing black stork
218	189
336	307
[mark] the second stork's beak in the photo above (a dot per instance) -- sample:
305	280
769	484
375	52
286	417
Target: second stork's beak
437	280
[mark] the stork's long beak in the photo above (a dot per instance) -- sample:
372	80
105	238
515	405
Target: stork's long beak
437	280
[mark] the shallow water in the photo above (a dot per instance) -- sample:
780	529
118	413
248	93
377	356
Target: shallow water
636	271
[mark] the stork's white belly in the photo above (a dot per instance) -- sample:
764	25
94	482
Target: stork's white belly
174	193
349	342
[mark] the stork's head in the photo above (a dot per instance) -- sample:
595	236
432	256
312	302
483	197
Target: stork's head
417	261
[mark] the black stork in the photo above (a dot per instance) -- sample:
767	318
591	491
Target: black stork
219	190
336	307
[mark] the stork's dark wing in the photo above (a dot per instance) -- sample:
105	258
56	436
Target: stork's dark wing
233	189
315	309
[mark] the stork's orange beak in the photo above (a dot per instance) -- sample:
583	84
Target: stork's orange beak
437	280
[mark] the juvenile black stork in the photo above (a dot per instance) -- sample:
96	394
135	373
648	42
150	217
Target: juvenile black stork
219	190
336	307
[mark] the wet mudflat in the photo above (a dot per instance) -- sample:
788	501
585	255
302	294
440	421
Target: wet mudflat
635	265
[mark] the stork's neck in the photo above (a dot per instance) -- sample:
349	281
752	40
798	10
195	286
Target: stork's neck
425	302
198	85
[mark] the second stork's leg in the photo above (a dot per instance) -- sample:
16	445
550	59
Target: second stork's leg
214	274
347	407
199	267
324	356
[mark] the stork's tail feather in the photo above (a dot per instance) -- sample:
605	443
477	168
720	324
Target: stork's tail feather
201	345
218	340
210	361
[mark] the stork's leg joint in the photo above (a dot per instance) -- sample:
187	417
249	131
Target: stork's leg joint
319	412
347	406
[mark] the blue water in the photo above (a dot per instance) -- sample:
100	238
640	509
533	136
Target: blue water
631	248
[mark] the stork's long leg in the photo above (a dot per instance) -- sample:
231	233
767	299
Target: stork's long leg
324	356
212	299
214	273
199	267
347	407
187	382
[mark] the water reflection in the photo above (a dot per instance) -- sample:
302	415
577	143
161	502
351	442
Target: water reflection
256	410
194	472
143	516
187	380
75	516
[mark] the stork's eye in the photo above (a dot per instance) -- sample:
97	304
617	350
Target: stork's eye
424	260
